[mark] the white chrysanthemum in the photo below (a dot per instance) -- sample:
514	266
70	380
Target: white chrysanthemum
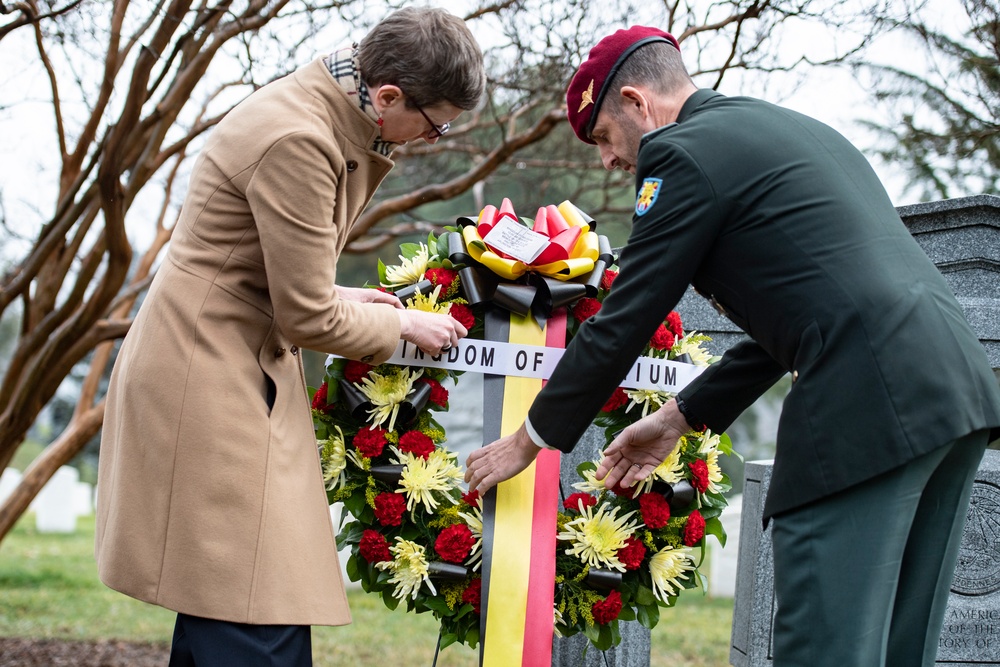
409	569
691	345
557	620
596	538
422	477
670	471
386	392
428	302
590	483
709	447
333	455
667	568
410	271
474	520
647	398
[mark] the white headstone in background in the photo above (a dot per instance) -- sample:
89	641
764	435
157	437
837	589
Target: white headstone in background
9	480
723	560
56	504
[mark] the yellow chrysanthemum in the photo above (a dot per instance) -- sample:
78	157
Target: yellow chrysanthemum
422	477
386	392
667	568
647	398
590	483
596	538
428	302
474	520
709	447
333	455
410	271
691	345
670	471
409	569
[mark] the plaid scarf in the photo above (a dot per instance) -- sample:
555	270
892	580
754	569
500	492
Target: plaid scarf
343	65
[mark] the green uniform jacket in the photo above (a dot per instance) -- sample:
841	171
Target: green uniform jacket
783	223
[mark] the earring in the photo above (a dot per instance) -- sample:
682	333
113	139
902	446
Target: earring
379	121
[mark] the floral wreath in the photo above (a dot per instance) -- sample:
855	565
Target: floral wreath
416	536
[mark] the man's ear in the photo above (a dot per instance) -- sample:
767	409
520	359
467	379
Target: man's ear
386	95
634	98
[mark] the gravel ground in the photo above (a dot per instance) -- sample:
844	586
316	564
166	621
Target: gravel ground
18	652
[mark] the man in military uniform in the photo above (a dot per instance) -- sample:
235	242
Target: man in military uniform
783	224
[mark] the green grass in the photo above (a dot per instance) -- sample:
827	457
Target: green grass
50	589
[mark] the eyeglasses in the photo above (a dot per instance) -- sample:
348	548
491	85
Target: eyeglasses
436	130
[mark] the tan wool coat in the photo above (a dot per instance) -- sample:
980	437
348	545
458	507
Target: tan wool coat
210	502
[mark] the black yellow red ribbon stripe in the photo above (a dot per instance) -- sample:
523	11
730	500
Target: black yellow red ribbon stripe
518	518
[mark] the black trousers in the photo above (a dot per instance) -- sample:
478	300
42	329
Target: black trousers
205	642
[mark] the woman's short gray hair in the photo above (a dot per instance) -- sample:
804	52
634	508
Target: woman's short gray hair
429	53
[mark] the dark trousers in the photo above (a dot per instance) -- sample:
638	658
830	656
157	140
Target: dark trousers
205	642
862	578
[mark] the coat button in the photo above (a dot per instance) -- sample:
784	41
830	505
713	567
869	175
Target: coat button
294	349
279	352
368	358
352	165
795	376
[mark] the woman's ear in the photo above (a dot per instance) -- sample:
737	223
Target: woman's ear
385	96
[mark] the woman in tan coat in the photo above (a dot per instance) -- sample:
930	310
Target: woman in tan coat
210	494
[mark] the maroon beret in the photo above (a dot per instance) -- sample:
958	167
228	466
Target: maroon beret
586	91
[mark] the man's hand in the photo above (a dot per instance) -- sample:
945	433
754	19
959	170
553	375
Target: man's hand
499	461
365	295
640	448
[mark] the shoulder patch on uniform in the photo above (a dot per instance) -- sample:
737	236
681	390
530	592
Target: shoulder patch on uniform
648	193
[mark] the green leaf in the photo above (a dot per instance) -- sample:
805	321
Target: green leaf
648	616
644	597
472	637
409	250
714	527
438	605
352	568
627	614
592	632
479	245
448	639
381	271
604	639
390	601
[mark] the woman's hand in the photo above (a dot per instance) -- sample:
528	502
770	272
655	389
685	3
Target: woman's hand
367	295
431	332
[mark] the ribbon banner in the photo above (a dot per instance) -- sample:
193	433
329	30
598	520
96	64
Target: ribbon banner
519	543
537	362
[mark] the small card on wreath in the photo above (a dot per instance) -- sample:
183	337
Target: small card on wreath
516	240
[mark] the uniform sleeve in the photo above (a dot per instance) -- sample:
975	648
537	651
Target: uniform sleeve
666	247
292	195
720	394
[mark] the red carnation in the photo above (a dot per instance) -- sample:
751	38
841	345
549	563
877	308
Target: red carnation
632	553
699	475
662	339
674	323
654	509
607	610
389	508
463	314
471	498
320	401
573	502
454	543
416	443
473	593
444	277
618	399
608	278
586	308
439	395
355	371
370	441
373	547
694	529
